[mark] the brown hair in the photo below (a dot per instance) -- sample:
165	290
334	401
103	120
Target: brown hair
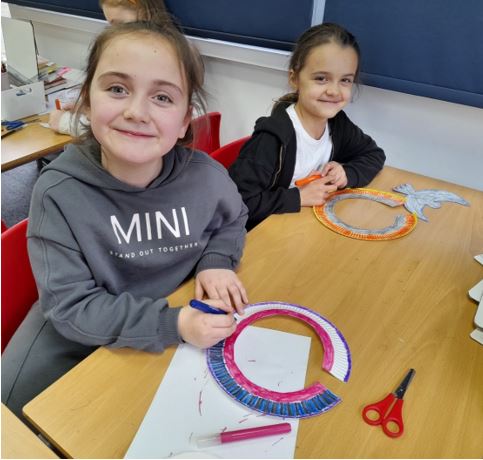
189	58
147	10
320	34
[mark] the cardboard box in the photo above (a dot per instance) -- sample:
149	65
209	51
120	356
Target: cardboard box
23	101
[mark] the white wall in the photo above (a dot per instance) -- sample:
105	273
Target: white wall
427	136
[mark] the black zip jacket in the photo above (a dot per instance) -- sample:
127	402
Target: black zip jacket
264	169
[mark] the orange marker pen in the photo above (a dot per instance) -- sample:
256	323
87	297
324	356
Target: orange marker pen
307	180
58	106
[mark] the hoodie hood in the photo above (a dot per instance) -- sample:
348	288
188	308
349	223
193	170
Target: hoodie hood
83	162
278	124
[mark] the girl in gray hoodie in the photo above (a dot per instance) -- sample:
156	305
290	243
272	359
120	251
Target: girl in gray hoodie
121	219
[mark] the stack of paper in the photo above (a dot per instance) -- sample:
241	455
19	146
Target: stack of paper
51	75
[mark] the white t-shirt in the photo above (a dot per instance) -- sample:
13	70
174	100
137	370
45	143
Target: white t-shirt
311	153
66	124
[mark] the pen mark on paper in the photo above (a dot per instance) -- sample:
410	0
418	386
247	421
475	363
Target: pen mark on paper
278	440
200	402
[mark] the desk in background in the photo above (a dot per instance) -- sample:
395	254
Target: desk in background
400	304
31	143
18	441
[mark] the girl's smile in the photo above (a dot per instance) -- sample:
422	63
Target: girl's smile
134	133
328	101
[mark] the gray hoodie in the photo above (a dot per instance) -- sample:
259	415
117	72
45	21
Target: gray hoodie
106	254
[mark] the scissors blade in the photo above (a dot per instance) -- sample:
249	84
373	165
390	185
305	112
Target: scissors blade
401	389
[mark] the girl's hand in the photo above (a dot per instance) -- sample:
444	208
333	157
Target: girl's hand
54	119
204	330
315	193
223	284
56	115
336	173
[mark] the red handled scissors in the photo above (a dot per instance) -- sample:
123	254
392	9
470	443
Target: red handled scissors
388	412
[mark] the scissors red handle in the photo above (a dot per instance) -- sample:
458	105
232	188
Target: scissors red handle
389	417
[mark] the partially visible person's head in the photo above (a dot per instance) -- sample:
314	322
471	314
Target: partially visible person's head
164	71
325	47
121	11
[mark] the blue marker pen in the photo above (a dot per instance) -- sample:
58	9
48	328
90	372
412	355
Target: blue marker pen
204	307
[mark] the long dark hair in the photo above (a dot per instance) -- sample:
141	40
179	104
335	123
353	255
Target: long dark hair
320	34
189	58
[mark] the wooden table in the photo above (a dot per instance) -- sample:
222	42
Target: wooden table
31	143
400	304
18	441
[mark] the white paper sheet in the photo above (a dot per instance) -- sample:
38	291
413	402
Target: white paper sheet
479	315
477	335
476	292
189	403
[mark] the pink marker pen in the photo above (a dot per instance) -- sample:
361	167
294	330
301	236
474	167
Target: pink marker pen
247	433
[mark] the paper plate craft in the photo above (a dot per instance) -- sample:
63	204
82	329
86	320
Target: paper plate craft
307	402
417	200
402	225
414	201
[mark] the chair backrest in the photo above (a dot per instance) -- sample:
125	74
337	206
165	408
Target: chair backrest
227	154
19	290
206	132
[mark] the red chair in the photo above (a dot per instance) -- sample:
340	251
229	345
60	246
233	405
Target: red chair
227	154
206	132
4	226
19	290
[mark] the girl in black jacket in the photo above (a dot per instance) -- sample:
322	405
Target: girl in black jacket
308	134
